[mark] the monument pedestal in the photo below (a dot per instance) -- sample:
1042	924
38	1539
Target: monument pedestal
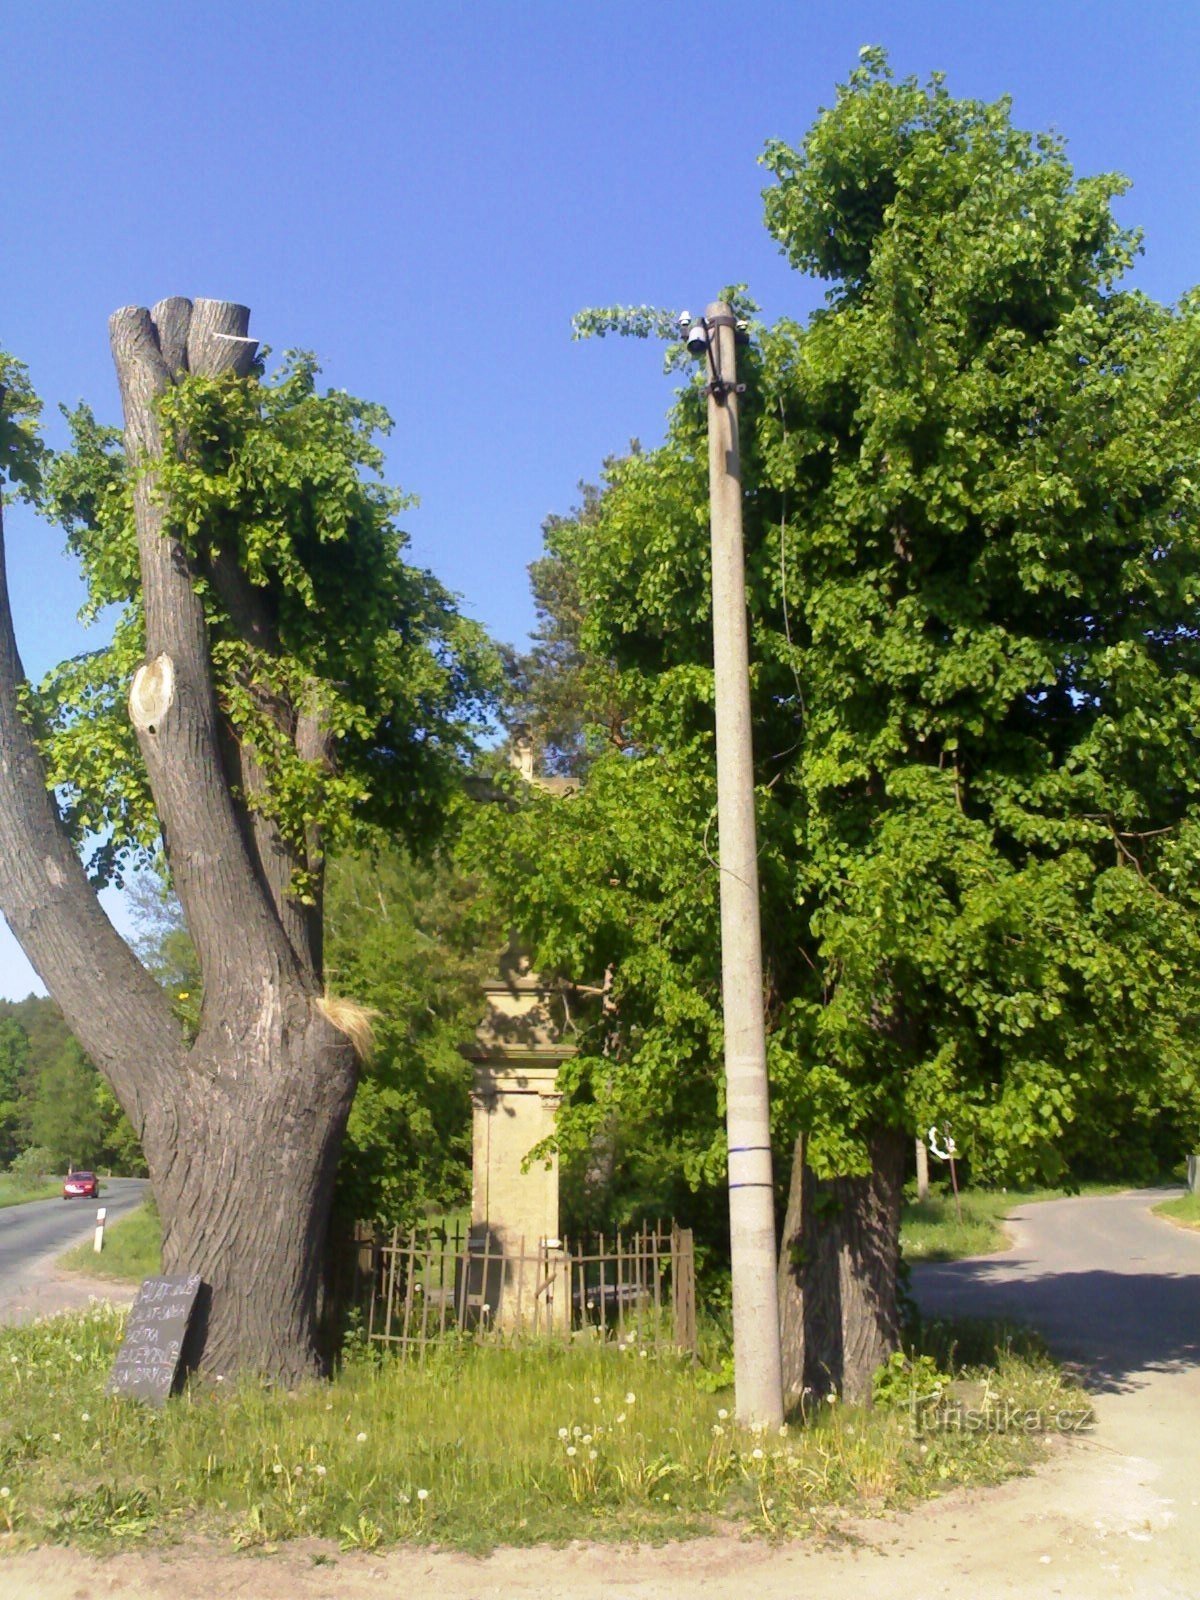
517	1269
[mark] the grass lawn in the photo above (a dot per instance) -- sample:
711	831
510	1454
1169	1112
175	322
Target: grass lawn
1185	1211
476	1447
132	1249
930	1230
15	1191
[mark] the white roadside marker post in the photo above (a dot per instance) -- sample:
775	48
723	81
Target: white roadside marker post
101	1213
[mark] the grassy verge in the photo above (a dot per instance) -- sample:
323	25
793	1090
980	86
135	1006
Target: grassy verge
930	1229
1184	1212
132	1249
15	1191
478	1446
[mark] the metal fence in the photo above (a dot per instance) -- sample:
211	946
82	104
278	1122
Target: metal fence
416	1287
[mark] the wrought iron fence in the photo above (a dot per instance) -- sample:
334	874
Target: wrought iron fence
416	1287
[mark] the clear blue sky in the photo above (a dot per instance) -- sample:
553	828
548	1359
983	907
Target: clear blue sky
424	194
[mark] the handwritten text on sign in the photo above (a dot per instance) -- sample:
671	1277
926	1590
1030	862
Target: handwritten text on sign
149	1356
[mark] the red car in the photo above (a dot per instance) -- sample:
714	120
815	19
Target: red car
81	1183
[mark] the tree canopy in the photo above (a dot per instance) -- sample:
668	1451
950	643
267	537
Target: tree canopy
972	566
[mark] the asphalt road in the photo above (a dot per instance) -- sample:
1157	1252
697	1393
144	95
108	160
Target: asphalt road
33	1234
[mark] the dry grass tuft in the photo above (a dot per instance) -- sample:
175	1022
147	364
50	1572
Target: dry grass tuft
355	1021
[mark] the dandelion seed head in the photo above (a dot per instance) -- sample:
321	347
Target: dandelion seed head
361	1438
422	1494
571	1450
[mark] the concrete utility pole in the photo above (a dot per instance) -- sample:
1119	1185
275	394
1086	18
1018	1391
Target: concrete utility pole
756	1358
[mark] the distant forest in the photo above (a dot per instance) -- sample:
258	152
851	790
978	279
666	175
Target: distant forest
56	1111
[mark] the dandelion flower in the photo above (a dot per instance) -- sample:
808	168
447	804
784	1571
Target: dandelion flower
577	1431
587	1438
756	1455
276	1466
422	1494
592	1455
564	1433
85	1416
722	1415
571	1450
361	1438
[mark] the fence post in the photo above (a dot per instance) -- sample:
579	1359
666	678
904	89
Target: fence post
683	1287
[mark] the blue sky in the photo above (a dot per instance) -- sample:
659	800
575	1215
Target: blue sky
424	194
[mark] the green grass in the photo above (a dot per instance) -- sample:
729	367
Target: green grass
1185	1211
476	1447
930	1229
132	1249
15	1191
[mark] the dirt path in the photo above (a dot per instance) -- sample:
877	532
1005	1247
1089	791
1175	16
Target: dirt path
1115	1516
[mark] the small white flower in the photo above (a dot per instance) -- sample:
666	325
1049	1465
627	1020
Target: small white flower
621	1418
629	1399
404	1500
57	1437
571	1450
595	1399
717	1428
276	1467
587	1438
298	1470
319	1470
5	1492
783	1428
361	1438
831	1398
85	1416
756	1455
592	1454
722	1415
577	1431
564	1433
422	1494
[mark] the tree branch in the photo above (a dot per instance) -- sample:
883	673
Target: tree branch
111	1003
171	701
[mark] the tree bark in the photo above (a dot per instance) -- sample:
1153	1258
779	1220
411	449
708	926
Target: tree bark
240	1133
839	1308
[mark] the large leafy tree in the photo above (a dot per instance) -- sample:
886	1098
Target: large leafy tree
291	684
971	506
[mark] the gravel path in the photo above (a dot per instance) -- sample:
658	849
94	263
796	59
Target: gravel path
1115	1516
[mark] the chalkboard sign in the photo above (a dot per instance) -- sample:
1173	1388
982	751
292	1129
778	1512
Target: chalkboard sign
149	1356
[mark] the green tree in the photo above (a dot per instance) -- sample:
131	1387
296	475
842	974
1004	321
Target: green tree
14	1057
406	938
292	685
971	502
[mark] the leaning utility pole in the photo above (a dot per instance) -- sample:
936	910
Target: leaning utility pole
756	1359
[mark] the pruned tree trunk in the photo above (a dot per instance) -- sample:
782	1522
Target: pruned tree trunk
241	1130
839	1309
922	1170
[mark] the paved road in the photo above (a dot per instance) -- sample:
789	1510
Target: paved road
34	1234
1111	1287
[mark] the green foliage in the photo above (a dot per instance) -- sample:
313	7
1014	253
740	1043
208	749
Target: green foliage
970	500
407	939
58	1106
274	491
